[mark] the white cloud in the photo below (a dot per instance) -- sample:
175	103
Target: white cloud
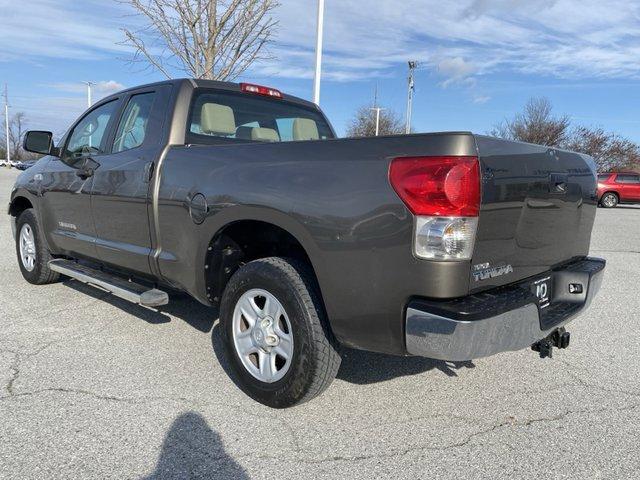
455	70
57	29
559	38
480	99
101	87
459	41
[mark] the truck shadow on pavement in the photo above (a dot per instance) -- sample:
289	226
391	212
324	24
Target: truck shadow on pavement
363	368
180	306
191	449
358	367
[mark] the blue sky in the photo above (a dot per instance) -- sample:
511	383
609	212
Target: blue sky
480	59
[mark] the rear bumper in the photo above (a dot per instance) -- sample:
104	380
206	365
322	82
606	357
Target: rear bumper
504	319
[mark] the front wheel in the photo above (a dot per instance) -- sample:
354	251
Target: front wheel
277	334
33	254
609	200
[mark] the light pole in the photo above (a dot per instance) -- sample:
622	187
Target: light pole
377	110
318	75
6	122
89	84
412	66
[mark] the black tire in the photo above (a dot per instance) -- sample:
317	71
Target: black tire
315	360
40	274
609	200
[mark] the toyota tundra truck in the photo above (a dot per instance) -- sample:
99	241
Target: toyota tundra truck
452	246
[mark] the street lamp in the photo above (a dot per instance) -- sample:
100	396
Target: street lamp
316	81
412	86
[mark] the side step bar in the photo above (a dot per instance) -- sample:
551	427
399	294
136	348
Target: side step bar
130	291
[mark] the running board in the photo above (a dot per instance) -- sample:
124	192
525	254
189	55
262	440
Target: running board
130	291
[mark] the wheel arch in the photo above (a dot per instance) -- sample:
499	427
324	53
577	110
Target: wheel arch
615	192
19	204
242	240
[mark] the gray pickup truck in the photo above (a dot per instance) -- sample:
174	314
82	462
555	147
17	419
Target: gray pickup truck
452	246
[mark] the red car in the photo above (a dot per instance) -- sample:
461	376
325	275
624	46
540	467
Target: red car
620	187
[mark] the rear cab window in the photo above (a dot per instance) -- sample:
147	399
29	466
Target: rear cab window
134	121
225	116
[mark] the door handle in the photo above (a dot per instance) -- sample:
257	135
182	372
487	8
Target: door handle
148	171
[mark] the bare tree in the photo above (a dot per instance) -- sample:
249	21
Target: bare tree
610	151
211	39
363	123
536	124
17	129
16	133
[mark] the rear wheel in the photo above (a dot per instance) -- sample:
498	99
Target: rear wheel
33	254
276	332
609	200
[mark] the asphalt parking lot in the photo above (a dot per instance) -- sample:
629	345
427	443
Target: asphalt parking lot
93	387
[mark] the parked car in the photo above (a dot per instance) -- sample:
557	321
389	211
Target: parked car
618	187
448	245
24	164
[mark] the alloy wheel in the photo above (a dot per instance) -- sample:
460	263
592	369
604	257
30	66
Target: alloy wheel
262	335
27	247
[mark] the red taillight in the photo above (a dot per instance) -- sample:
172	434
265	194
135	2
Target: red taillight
438	186
260	90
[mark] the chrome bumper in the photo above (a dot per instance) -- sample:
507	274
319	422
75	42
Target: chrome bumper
432	332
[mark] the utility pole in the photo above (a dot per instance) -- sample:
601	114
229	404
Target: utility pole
412	67
377	110
318	75
6	120
89	84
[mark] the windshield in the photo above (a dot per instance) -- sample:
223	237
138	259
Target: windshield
246	117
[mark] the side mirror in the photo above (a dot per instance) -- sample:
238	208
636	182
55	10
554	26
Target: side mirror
37	141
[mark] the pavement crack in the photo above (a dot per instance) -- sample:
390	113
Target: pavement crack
14	370
584	383
99	396
509	422
21	356
616	251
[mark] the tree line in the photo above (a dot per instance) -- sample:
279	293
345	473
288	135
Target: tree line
535	124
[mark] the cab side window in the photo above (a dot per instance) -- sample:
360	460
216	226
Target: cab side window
628	179
132	128
88	136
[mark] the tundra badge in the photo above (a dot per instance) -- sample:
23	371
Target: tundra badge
484	271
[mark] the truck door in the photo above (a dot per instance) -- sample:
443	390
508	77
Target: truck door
120	194
628	187
632	187
66	208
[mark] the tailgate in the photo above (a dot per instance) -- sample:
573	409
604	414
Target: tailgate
537	211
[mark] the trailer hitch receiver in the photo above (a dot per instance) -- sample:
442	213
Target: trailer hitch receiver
560	338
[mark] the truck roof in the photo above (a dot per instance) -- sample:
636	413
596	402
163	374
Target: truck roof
201	83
